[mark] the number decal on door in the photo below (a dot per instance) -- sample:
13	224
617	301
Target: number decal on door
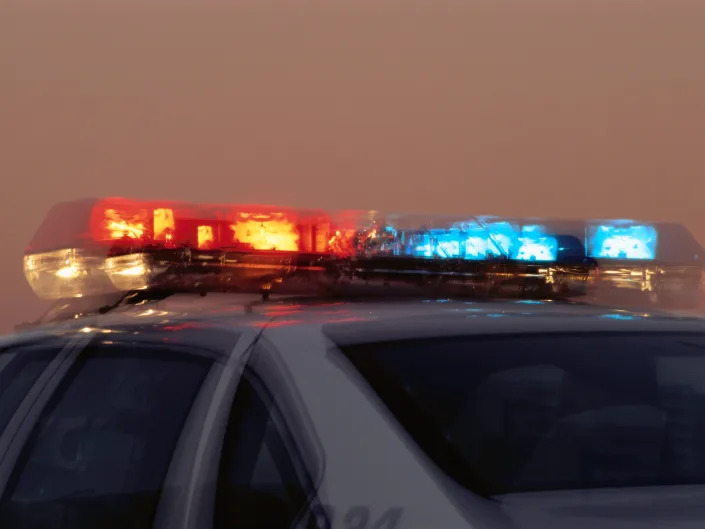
358	517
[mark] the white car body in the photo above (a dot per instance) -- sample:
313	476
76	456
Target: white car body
368	472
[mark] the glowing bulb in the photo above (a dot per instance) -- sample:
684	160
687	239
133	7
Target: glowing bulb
163	223
205	236
68	272
133	271
628	242
276	232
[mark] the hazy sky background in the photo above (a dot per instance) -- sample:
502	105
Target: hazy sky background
522	107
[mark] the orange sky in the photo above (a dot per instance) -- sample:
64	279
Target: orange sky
556	108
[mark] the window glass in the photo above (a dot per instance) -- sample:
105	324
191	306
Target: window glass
19	370
549	412
99	454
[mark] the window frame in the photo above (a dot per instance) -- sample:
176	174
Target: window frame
189	487
266	375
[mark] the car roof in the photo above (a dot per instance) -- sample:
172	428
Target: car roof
348	321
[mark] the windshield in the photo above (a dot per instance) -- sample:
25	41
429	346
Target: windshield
548	412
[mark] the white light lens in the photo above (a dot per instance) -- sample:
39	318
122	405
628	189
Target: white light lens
66	273
128	272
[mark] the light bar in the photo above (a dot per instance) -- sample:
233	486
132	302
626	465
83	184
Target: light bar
115	244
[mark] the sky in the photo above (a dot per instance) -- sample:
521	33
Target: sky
568	108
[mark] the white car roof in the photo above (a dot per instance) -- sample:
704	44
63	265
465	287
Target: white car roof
348	321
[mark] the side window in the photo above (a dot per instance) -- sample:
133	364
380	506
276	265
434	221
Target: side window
101	448
262	482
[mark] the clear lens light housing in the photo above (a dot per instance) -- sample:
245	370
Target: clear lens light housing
129	272
65	274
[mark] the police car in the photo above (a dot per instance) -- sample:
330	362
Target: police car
207	395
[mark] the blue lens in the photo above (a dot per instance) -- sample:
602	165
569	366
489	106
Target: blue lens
622	242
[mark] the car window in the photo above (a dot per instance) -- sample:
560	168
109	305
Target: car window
549	412
100	451
261	482
20	368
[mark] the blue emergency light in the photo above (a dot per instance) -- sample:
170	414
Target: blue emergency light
622	240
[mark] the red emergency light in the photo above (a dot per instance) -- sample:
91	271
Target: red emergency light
83	247
126	224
